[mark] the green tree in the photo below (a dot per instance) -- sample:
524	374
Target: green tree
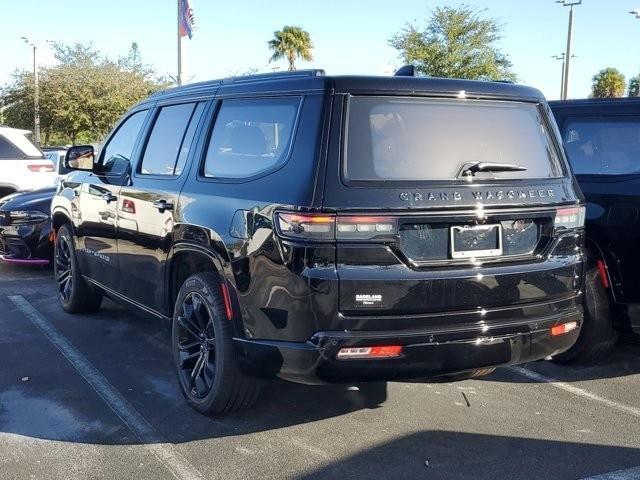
291	43
455	43
82	96
633	87
608	83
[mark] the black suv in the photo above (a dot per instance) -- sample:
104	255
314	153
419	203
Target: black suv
326	229
602	141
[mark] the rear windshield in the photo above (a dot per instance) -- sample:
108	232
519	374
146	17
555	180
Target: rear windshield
413	139
603	146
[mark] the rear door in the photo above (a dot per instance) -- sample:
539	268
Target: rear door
425	224
604	151
147	205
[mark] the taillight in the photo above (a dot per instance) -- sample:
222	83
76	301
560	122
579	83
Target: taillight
365	228
569	218
328	227
317	227
41	167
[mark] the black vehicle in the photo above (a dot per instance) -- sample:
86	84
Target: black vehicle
25	227
602	141
325	229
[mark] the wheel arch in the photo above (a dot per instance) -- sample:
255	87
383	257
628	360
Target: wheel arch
59	217
184	260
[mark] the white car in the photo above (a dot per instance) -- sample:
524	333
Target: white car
22	165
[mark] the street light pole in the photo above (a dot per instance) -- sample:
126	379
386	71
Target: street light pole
179	78
560	57
567	55
36	92
636	13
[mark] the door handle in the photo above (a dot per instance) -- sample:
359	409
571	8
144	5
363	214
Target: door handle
163	205
109	197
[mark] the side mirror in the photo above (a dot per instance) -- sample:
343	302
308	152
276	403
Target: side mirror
80	157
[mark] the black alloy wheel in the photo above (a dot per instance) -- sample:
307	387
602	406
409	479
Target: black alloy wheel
63	272
196	345
75	294
204	351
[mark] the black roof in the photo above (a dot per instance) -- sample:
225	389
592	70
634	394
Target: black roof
305	81
588	102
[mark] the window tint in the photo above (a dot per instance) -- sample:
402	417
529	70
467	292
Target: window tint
250	136
603	146
166	140
116	155
8	151
425	139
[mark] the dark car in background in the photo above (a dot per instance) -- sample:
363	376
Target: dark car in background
25	227
602	141
326	229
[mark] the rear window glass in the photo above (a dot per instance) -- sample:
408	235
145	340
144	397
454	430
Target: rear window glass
603	146
251	136
426	139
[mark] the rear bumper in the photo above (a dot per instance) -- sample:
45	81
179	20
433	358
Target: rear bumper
426	353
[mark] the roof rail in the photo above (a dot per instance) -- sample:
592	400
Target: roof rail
276	76
258	77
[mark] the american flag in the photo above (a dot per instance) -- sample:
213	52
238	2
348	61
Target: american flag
187	22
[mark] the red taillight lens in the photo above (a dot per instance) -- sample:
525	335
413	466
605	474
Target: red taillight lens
41	167
569	218
381	351
317	227
564	328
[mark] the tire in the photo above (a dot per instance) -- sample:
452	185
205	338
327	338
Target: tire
597	335
74	293
203	352
477	373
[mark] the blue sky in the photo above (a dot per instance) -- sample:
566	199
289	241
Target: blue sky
350	36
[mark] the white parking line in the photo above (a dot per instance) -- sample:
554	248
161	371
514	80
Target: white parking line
538	377
630	474
139	426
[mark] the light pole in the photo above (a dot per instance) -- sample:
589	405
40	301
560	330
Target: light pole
567	55
636	13
36	92
560	57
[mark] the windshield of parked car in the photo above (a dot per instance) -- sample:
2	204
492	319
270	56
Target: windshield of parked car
603	146
433	139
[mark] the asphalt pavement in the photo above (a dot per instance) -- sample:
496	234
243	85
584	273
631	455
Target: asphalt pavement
95	396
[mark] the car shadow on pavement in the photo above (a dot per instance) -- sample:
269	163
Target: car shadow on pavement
443	454
43	396
623	361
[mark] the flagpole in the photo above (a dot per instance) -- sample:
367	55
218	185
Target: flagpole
179	47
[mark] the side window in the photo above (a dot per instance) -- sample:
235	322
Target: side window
8	151
603	146
116	155
167	141
251	136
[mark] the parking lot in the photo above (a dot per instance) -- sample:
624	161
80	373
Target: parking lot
95	397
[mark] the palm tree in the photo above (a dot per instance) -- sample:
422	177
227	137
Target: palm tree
291	43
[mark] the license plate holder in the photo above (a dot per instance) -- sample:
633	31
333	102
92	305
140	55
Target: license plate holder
473	241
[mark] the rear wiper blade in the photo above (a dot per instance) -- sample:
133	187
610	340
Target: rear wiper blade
470	169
